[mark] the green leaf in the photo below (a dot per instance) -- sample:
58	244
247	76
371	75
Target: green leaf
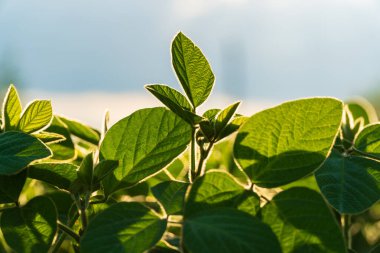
144	143
63	202
11	112
361	108
350	184
11	187
224	117
81	130
49	138
104	168
226	231
135	230
64	150
175	101
303	222
61	175
368	140
37	116
211	114
86	171
375	249
17	150
30	229
287	142
218	189
192	69
171	194
232	127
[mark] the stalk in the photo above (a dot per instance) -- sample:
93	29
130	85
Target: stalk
68	231
202	159
346	225
62	236
192	156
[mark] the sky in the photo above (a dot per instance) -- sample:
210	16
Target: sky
259	50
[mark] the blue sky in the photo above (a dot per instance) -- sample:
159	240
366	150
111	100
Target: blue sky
268	49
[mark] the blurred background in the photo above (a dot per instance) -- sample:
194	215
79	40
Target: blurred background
262	52
91	55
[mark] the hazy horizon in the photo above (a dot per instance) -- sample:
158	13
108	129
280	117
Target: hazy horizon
272	50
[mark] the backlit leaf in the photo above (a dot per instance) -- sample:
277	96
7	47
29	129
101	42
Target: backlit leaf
287	142
218	189
228	230
143	143
30	229
37	116
17	150
192	68
11	111
350	184
123	227
303	222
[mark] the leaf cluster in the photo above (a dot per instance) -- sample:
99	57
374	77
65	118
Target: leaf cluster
132	187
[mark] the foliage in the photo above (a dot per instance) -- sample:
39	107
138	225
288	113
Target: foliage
294	178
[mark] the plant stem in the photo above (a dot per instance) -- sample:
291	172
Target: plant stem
2	209
62	236
201	163
366	154
346	225
192	156
68	231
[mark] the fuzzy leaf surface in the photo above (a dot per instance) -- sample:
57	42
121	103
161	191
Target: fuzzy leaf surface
287	142
123	227
350	184
17	150
192	69
303	222
143	143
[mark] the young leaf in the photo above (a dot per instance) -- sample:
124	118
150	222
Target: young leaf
228	230
36	116
61	175
361	108
232	127
104	168
368	140
123	227
171	194
144	143
81	130
175	101
192	69
218	189
350	184
17	150
30	229
49	138
64	150
11	111
282	144
224	117
303	222
211	114
86	171
11	187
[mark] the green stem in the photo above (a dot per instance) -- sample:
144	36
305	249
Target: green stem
192	156
2	209
346	225
68	231
62	236
201	163
366	154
